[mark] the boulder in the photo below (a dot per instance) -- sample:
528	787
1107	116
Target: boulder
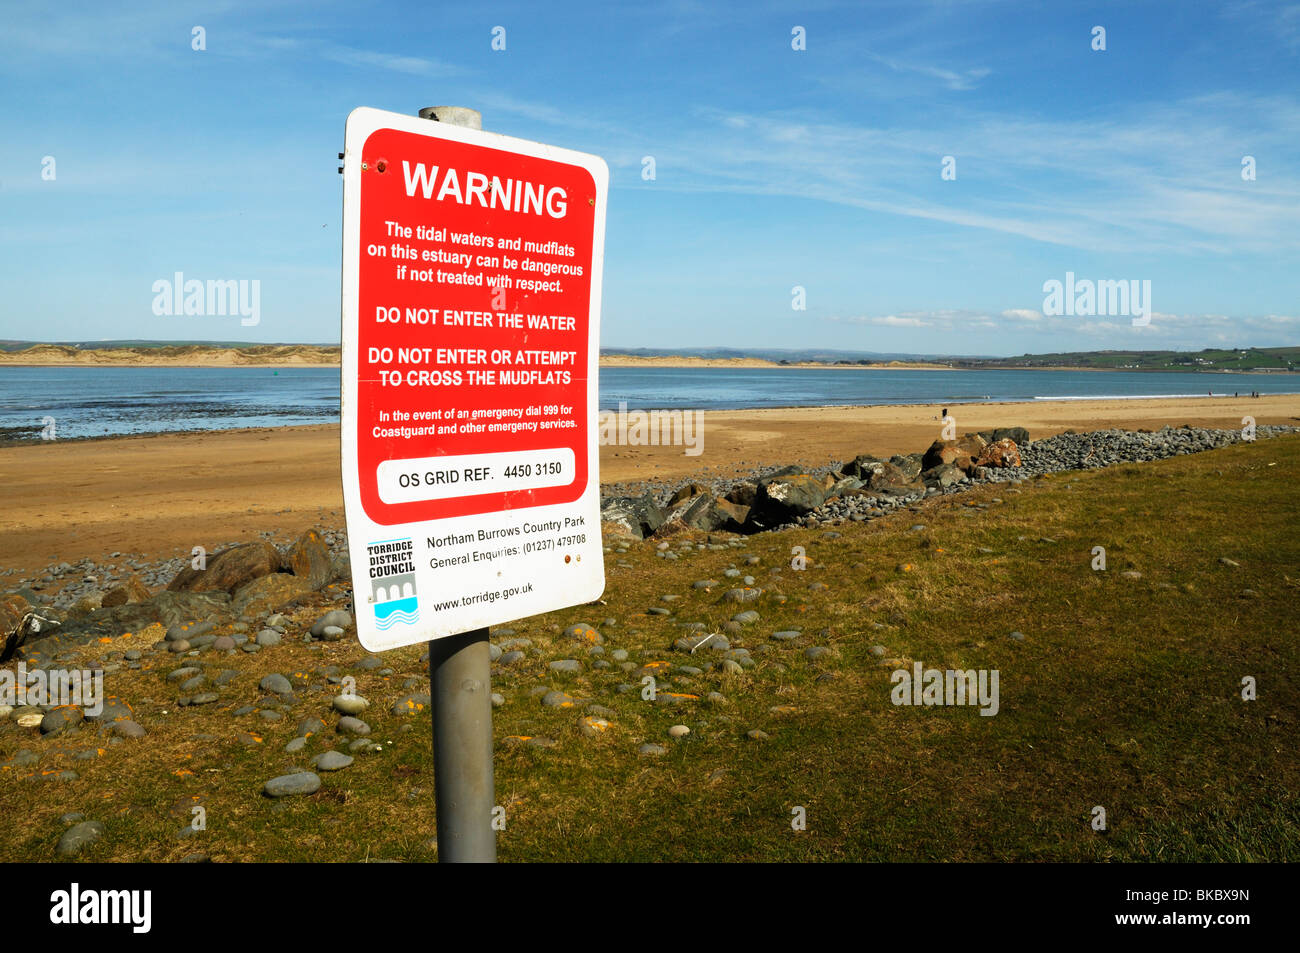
268	593
689	491
909	464
637	516
707	513
229	569
944	475
133	590
1018	434
861	466
13	612
790	496
743	494
175	608
890	480
1000	453
960	452
309	560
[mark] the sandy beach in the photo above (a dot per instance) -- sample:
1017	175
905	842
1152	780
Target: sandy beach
160	496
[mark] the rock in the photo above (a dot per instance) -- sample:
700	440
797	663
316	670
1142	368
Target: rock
287	785
412	703
637	517
678	731
350	704
592	727
745	618
1017	636
229	569
205	698
1131	574
352	726
1018	435
295	745
309	560
1001	454
756	734
558	699
788	497
498	700
944	475
651	751
310	726
584	633
133	590
267	593
223	643
14	610
1225	561
336	618
58	720
747	594
276	684
331	761
565	665
78	837
510	658
816	652
179	646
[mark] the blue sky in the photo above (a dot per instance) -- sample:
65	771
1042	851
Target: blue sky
774	168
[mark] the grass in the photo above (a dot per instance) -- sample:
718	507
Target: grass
1125	694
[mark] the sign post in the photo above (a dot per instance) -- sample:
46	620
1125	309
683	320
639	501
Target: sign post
471	304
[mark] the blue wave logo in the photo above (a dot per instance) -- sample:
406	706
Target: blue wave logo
400	611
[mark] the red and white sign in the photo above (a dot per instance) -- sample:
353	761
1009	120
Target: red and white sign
471	311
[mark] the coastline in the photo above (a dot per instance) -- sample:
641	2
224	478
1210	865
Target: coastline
275	358
163	494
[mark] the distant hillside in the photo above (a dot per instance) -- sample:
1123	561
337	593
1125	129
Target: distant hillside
1209	359
176	355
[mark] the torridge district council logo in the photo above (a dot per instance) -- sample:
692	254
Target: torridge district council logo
392	583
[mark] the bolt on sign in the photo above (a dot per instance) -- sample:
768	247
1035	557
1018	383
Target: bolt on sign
471	310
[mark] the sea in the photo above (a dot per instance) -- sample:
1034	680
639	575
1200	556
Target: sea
80	402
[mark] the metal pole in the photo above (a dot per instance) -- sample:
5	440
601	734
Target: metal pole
460	678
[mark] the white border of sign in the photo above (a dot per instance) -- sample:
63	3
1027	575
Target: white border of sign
586	578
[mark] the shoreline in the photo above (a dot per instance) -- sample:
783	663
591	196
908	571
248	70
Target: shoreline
163	494
95	359
775	408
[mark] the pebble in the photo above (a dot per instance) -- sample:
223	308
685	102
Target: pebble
1017	636
301	782
565	665
651	751
331	761
78	837
350	704
128	729
276	684
295	745
678	731
816	652
352	726
556	699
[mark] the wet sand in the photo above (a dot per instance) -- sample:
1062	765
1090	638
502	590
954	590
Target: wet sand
161	496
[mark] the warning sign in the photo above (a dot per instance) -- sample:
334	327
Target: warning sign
471	306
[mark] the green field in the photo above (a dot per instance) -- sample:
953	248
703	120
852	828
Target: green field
1125	694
